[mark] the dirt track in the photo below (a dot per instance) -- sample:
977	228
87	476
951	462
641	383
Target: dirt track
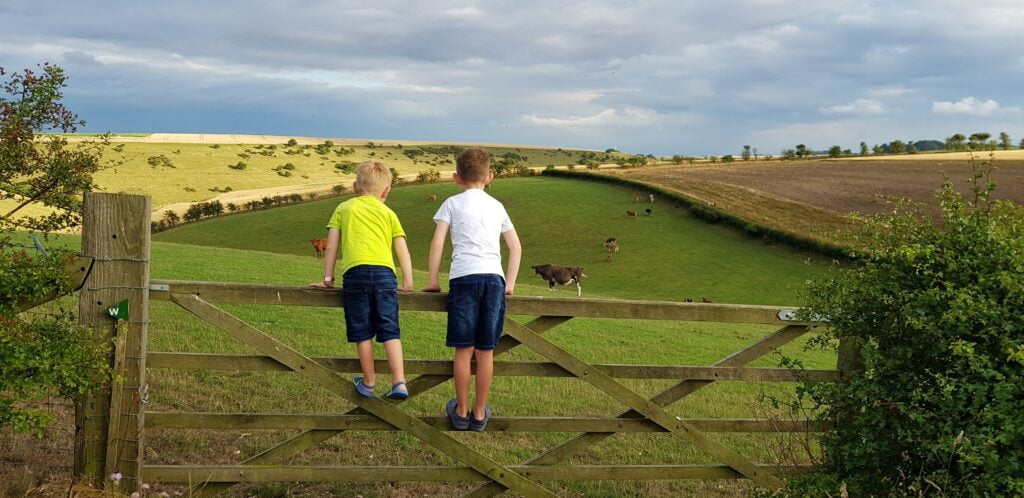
847	185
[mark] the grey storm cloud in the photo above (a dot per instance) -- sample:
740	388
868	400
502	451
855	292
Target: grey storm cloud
658	76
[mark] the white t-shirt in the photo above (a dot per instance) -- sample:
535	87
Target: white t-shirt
477	221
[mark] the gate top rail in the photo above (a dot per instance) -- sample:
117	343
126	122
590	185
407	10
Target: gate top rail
234	293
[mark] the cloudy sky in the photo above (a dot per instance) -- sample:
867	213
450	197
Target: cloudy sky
662	77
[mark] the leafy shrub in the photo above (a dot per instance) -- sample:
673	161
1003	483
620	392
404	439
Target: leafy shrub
346	167
238	166
160	161
291	142
937	311
427	176
728	158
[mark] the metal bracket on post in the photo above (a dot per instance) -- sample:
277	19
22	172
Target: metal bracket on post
787	315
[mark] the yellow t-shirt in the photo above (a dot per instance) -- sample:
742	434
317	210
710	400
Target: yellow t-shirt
368	229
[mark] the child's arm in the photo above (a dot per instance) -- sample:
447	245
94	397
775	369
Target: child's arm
404	262
434	261
330	258
515	255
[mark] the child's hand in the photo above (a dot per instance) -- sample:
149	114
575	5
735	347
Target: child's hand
321	285
432	288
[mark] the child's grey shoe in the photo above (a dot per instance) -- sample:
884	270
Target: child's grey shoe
458	423
479	425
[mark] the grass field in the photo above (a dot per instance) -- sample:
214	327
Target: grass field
562	222
190	172
666	256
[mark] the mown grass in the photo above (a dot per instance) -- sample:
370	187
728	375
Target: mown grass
669	255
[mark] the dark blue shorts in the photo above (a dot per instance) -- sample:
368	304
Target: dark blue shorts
476	311
371	303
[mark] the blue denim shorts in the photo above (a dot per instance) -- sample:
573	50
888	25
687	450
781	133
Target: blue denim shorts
371	303
476	311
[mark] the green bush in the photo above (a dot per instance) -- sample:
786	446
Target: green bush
428	176
238	166
936	308
41	355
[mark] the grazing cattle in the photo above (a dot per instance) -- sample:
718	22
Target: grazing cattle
631	214
648	211
687	300
705	300
610	239
637	200
564	275
611	245
432	198
652	198
319	245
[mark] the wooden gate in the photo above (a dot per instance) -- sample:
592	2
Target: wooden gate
112	424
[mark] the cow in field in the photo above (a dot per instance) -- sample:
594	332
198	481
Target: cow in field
319	245
636	200
563	275
612	245
432	198
631	214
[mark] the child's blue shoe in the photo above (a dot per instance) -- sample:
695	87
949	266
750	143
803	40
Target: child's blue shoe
398	391
458	423
479	425
363	388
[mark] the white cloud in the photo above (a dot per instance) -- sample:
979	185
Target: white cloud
972	106
860	107
607	117
469	12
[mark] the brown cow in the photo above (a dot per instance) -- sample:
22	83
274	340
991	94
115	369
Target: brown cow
706	300
563	275
636	200
631	214
612	246
432	198
319	245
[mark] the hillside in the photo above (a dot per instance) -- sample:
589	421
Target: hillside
562	222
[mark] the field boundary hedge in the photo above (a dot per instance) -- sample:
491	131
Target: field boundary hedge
710	214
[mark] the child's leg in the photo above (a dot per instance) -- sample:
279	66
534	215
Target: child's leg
393	348
365	351
484	376
462	370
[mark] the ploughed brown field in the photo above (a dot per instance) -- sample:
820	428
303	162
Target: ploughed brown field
812	198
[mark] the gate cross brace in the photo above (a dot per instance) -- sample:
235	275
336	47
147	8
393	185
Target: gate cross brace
388	412
311	438
680	390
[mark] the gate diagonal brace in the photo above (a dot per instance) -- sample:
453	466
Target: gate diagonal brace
643	407
388	412
311	438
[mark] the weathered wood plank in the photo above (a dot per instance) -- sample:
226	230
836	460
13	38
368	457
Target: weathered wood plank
237	473
116	237
652	411
382	409
259	363
303	441
684	388
78	267
230	293
260	421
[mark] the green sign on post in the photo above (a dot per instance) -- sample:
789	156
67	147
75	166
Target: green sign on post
119	311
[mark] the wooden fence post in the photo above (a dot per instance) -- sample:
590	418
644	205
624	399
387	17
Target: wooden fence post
850	361
108	432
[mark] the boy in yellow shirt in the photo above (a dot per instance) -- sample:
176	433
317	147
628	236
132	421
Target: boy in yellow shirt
366	231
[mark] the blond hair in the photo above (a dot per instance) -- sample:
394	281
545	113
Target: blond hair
372	177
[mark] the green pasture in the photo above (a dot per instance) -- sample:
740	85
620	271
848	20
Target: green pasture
668	255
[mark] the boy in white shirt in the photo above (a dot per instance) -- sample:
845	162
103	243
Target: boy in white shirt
476	294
